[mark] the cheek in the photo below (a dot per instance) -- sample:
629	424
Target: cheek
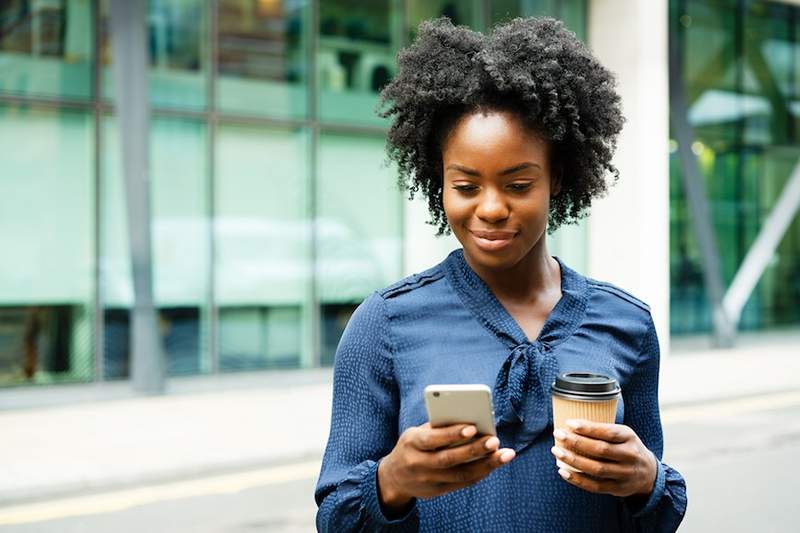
453	205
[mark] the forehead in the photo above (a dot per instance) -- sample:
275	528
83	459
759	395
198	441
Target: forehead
494	135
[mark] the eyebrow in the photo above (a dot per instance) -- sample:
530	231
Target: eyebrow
510	170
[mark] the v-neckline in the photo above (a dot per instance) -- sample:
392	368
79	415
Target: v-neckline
561	322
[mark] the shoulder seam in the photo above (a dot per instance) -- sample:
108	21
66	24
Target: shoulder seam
410	283
625	295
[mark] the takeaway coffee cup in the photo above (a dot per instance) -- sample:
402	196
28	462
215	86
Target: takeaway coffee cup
583	395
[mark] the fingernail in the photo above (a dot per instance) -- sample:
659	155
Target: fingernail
507	456
574	424
563	473
558	452
559	434
468	431
492	443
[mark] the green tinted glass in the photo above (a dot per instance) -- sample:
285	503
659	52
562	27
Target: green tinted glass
181	237
460	12
46	48
359	228
740	64
355	57
177	40
262	230
262	57
47	235
571	12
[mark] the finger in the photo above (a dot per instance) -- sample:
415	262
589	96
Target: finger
589	447
470	473
466	452
616	433
427	438
599	486
595	468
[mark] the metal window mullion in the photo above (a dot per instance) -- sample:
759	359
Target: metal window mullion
211	148
313	115
99	314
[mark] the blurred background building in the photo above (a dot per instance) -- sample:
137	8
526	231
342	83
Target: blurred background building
273	211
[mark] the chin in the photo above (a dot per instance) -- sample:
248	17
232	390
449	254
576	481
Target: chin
492	260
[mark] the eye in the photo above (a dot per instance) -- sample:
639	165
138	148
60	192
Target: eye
519	187
466	188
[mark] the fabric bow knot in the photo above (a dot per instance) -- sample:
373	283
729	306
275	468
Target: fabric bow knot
522	394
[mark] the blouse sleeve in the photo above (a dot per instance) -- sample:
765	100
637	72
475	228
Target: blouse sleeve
364	426
666	506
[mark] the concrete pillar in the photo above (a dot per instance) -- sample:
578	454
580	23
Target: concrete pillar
628	232
129	43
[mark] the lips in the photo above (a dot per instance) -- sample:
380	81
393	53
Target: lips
492	240
493	235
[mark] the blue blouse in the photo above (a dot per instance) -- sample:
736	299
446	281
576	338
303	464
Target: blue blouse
444	325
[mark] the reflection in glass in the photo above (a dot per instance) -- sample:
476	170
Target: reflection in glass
180	246
460	12
177	40
46	48
47	236
571	12
740	63
263	247
355	57
359	242
261	57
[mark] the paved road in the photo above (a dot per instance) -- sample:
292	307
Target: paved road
739	459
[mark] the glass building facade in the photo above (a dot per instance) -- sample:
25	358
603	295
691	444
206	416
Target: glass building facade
273	214
741	69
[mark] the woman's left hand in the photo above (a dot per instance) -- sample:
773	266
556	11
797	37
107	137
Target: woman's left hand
611	456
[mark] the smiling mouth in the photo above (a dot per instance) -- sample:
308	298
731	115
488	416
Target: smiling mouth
493	235
492	241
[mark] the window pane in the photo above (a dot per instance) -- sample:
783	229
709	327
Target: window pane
261	59
262	232
47	231
359	241
571	12
740	63
180	246
355	57
46	48
461	12
177	40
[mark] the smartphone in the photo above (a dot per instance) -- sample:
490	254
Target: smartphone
461	404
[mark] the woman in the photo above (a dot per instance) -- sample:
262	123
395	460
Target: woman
506	135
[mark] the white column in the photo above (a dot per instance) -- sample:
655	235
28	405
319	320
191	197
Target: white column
628	231
421	248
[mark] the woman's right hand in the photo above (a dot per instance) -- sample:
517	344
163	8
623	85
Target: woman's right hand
421	465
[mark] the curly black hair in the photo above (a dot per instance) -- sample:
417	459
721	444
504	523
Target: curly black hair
532	67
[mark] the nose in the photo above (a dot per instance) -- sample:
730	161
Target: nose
492	207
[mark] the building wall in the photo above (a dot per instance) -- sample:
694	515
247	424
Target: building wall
273	213
265	144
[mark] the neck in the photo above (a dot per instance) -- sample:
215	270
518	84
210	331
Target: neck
525	281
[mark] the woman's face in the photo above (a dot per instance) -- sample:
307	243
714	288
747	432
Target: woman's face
497	188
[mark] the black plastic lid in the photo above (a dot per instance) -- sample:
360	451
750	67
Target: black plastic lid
586	385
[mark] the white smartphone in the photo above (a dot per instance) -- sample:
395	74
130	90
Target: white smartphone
461	404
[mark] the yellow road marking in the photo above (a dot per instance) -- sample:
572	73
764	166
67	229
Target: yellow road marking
673	415
121	500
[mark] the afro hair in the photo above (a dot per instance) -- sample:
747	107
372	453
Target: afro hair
532	67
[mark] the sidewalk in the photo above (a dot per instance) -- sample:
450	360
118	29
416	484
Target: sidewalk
60	440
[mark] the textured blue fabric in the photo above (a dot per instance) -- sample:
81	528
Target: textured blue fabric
444	325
